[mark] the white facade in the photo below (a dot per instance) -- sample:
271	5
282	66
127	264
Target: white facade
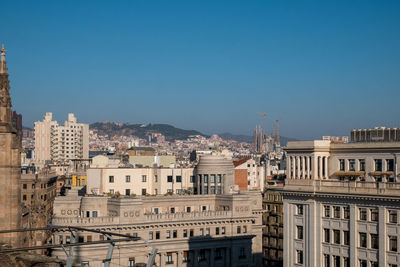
59	143
342	204
139	181
255	174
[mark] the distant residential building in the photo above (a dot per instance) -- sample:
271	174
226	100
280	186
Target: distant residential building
341	139
342	204
61	143
377	134
273	227
249	174
38	191
141	151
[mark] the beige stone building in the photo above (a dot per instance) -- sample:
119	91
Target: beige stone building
195	230
341	204
60	143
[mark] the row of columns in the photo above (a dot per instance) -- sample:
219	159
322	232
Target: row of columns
177	258
307	167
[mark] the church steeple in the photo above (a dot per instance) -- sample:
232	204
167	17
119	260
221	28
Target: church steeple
3	62
5	101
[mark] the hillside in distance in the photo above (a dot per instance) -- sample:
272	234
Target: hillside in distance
170	132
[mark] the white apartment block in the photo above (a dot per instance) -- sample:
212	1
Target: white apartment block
61	143
342	204
139	181
255	173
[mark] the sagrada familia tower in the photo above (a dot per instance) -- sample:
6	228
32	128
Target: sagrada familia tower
10	163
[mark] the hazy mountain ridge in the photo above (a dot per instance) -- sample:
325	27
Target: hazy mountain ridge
170	132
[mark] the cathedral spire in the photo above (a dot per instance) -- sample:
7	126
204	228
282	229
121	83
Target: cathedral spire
3	63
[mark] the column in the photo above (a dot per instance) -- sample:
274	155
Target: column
228	256
303	167
298	167
294	168
289	167
382	236
319	167
178	259
212	257
308	167
326	167
315	167
196	258
353	235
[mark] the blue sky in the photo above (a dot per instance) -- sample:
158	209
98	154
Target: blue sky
322	67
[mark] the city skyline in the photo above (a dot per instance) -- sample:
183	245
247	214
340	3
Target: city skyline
320	68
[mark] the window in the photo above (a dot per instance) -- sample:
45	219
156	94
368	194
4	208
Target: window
132	262
192	179
242	253
389	165
336	261
157	235
217	231
111	191
178	179
238	229
341	164
374	241
168	258
299	232
361	162
336	212
127	178
24	197
378	165
219	179
143	191
218	253
346	238
393	243
327	237
205	178
201	231
212	178
186	256
336	237
374	264
86	263
300	209
212	189
24	186
170	179
155	210
207	231
185	233
374	215
346	212
172	210
392	265
175	234
223	230
363	214
89	238
346	262
127	192
191	232
111	179
244	229
168	234
68	239
392	216
363	263
94	214
352	164
155	178
327	211
327	260
299	256
144	178
363	240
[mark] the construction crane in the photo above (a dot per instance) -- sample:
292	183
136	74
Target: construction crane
264	118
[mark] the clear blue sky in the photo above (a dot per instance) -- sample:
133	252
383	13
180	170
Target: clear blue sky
322	67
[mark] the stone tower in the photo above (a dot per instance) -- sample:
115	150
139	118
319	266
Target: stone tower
10	163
